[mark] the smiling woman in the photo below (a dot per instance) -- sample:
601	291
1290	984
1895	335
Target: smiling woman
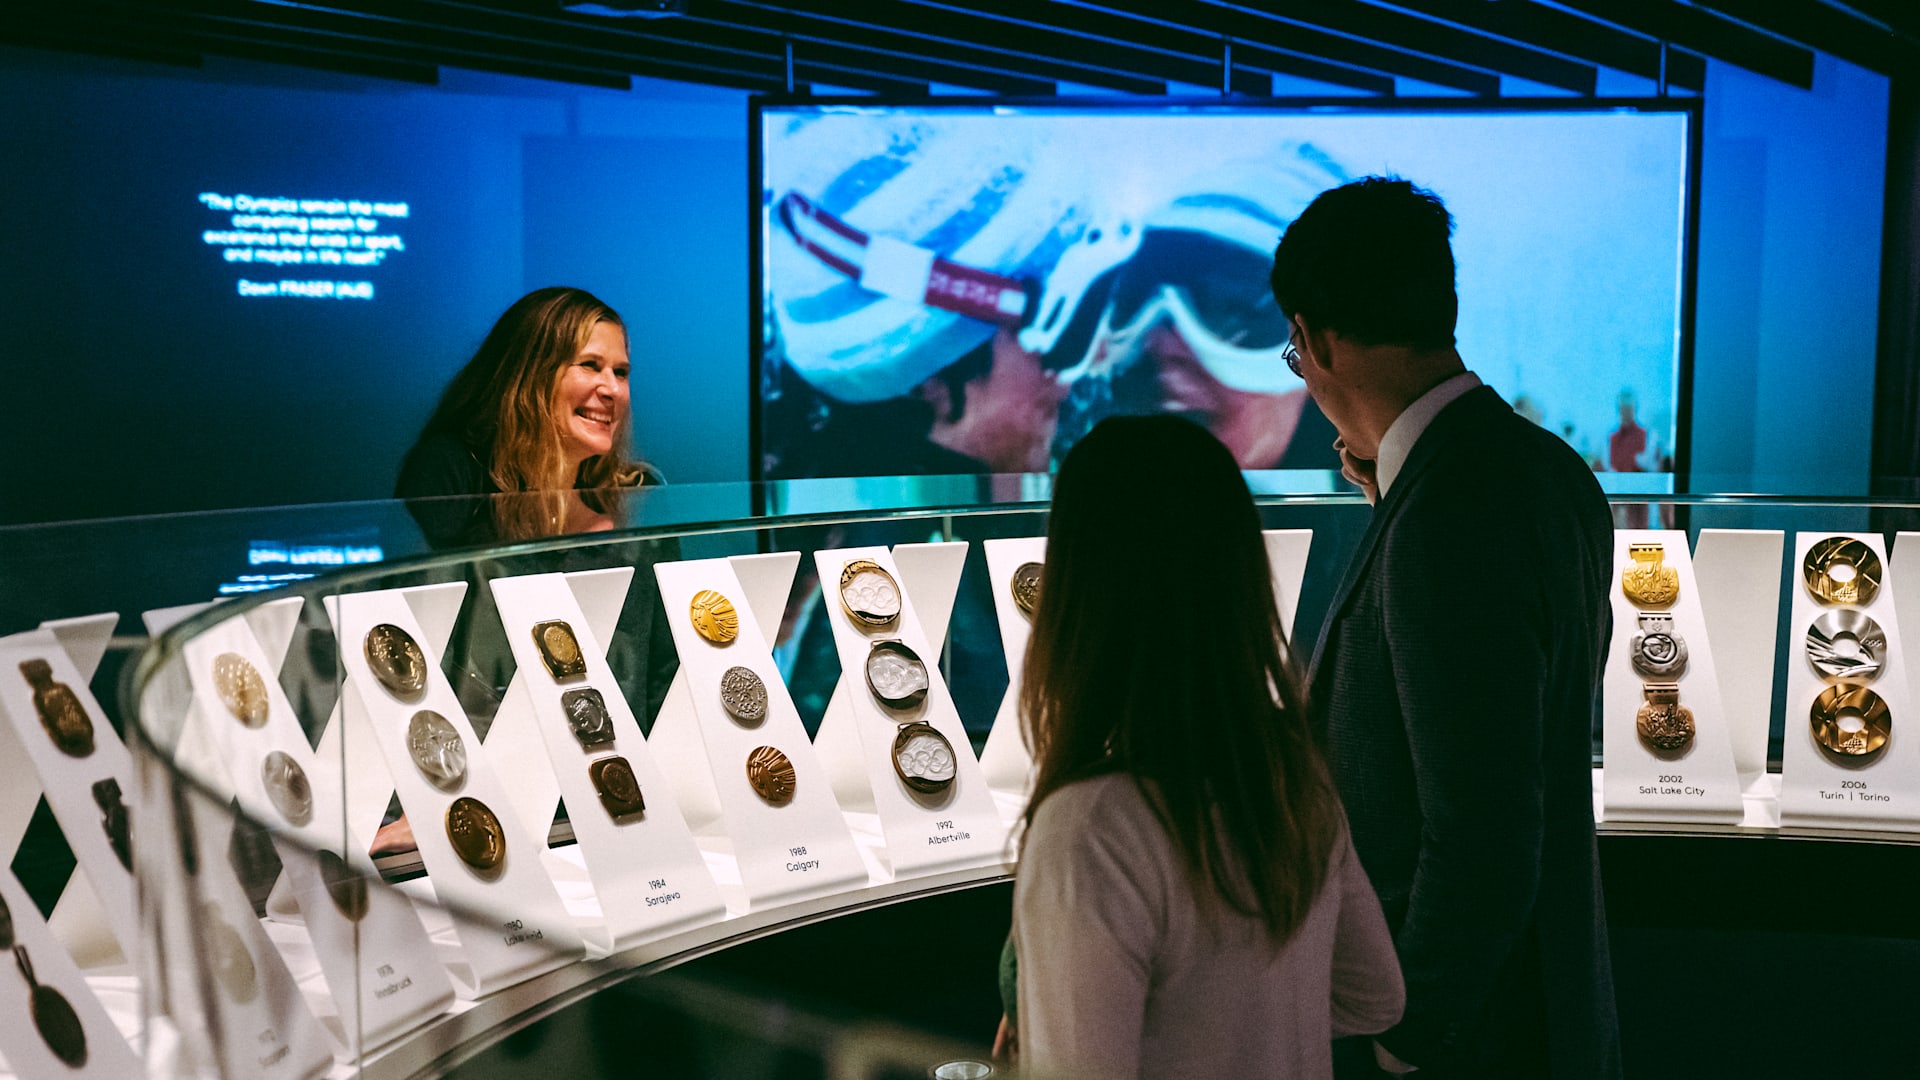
539	415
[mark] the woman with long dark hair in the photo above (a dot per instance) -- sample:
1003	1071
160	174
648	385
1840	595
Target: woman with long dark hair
1188	901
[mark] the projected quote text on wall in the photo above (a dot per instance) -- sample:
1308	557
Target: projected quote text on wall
316	245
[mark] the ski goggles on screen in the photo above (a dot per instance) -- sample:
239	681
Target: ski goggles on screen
1040	310
1215	294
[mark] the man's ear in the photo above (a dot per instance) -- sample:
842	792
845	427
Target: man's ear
1318	344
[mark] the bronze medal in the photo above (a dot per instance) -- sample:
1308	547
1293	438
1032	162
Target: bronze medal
113	819
1851	723
61	714
618	788
437	750
896	675
1846	644
397	662
587	717
345	887
743	695
287	787
1665	725
1842	570
476	834
1026	587
241	689
771	775
923	758
869	595
1648	581
714	617
228	956
53	1016
1656	651
559	649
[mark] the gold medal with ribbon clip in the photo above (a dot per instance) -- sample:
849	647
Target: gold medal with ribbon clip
1648	581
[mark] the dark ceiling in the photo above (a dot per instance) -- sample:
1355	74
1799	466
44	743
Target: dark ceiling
1024	47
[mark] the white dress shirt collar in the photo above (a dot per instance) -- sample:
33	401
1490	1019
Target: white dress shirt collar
1406	429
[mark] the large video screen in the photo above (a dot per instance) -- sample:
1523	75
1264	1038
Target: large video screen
969	288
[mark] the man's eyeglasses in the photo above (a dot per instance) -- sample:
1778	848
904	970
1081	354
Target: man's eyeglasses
1292	353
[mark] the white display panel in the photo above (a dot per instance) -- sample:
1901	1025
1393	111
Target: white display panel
514	925
1743	617
99	1052
103	886
647	874
958	827
1004	760
238	995
380	967
787	851
1697	782
1819	789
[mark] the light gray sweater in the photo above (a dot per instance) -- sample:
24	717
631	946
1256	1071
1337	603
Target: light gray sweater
1124	972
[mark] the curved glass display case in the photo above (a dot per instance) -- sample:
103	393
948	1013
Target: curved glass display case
379	807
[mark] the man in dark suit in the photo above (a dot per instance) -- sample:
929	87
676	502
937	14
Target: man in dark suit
1458	668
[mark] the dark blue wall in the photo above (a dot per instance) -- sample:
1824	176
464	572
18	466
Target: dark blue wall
138	382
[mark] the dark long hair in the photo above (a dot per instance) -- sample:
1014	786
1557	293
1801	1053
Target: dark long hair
1157	652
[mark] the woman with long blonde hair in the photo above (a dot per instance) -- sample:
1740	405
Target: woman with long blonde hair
539	419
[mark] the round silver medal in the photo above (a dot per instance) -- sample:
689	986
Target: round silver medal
743	695
1846	643
287	787
437	750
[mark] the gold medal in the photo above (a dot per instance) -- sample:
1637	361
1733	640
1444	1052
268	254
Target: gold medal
869	595
1851	723
53	1014
397	662
241	689
559	649
771	775
1842	570
1665	725
1026	587
923	758
345	887
714	617
61	714
1648	581
113	819
287	787
476	834
618	788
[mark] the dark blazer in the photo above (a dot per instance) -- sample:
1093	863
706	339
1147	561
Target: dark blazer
1456	680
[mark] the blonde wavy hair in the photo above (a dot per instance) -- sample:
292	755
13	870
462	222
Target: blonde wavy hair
503	406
